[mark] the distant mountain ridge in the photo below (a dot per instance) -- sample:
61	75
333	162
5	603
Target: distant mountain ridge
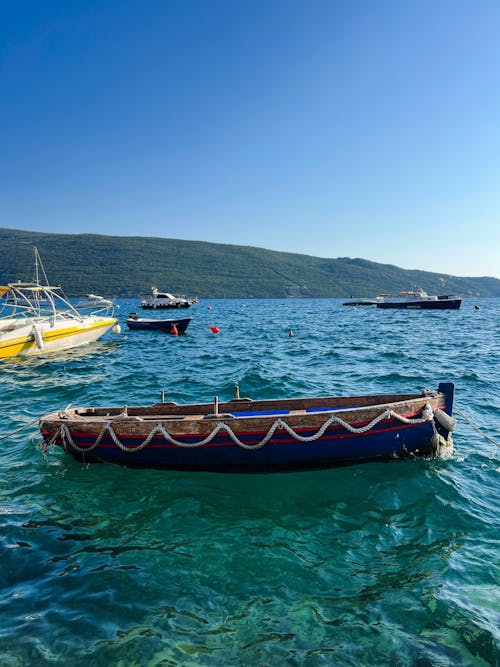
123	266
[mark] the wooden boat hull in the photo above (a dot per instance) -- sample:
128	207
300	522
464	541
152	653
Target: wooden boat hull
158	325
256	436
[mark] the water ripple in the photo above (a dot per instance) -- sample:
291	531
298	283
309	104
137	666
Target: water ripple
102	565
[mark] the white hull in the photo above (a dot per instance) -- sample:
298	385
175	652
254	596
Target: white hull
94	302
34	336
37	319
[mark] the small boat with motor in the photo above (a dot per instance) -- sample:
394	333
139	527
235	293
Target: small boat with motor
36	319
172	325
419	300
94	301
158	299
245	435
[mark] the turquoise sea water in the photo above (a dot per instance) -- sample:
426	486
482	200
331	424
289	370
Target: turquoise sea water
373	564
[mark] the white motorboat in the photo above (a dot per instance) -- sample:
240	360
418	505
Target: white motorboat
418	299
94	301
158	299
36	319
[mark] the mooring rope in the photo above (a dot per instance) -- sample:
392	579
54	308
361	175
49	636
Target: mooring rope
18	430
64	432
475	426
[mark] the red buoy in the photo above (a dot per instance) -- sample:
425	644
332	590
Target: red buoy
174	331
290	333
214	329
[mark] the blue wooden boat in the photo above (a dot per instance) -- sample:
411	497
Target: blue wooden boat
172	325
244	435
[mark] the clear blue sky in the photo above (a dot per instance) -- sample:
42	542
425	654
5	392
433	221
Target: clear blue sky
336	129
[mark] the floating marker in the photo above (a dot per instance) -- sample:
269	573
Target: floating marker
174	331
214	329
290	333
209	307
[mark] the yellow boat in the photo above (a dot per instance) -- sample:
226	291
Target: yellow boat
35	319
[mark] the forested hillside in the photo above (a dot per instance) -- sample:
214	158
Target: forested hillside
128	266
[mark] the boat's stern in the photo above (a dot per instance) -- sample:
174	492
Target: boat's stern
448	390
444	424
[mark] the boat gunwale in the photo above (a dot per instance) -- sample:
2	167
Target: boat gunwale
187	421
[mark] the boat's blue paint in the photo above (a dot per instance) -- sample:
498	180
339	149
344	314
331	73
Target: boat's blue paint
388	439
260	413
448	389
150	324
343	407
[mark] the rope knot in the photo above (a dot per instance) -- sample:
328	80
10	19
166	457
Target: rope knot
428	412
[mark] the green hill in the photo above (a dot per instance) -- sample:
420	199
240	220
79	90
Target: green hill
127	266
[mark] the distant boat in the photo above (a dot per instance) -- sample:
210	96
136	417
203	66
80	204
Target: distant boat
419	300
171	325
94	301
243	435
361	302
415	300
36	318
164	300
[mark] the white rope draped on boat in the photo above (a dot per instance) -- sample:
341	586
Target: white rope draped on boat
442	447
64	432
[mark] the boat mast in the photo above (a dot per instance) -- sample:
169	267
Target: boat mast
39	267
